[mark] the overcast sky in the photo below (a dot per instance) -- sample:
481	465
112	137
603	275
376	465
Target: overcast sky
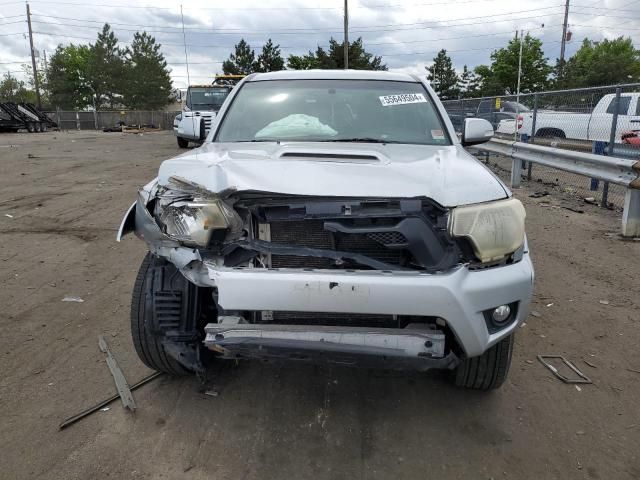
407	34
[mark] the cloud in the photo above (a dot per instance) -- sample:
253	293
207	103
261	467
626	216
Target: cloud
408	34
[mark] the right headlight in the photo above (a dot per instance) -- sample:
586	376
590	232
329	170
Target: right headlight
193	222
494	229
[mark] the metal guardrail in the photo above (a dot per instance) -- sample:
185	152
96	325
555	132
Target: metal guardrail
620	171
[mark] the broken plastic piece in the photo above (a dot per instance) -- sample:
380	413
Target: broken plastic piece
583	378
73	299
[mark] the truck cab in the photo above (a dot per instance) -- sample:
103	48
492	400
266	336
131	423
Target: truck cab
202	103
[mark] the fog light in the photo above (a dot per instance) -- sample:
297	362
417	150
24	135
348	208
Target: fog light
501	314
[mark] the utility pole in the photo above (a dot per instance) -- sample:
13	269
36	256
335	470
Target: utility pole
564	36
346	34
36	83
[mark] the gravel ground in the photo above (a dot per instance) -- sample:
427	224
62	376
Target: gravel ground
62	196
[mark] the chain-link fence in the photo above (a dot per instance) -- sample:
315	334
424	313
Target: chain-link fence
81	120
601	120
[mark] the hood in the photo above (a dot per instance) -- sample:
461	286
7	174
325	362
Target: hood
446	174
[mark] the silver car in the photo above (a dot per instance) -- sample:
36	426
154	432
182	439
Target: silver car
332	216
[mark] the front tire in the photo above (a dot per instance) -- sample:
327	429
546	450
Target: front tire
182	142
489	370
146	339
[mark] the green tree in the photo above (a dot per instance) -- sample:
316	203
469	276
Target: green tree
148	83
14	90
600	63
68	79
359	58
242	61
443	76
105	69
270	59
502	76
302	62
468	83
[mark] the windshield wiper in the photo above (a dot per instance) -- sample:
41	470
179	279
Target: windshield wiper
359	139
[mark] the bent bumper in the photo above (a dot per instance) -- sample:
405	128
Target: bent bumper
459	296
414	349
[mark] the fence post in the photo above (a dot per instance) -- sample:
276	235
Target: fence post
534	118
77	120
612	142
95	119
58	118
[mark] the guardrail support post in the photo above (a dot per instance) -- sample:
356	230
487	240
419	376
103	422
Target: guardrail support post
631	213
516	173
77	120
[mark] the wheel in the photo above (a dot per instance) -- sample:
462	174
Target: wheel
147	337
203	132
551	133
183	142
489	370
30	127
44	127
38	127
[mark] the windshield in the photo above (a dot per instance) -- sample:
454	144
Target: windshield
333	111
515	107
203	98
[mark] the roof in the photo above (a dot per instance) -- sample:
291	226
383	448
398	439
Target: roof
332	75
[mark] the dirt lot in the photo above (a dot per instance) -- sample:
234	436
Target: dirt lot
62	196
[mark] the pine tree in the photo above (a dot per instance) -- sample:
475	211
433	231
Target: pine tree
443	76
105	69
468	83
148	85
270	59
359	58
242	61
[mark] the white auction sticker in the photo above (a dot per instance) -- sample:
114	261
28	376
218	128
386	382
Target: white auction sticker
402	99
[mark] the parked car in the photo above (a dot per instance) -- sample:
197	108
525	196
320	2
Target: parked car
595	126
332	216
486	109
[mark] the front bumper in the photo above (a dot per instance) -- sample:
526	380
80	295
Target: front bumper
459	296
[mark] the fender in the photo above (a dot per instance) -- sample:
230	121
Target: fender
128	223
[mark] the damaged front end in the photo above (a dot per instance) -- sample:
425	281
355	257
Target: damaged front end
342	280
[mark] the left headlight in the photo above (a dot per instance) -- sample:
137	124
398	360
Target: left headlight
494	229
194	222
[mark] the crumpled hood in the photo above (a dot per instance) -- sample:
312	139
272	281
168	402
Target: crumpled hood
446	174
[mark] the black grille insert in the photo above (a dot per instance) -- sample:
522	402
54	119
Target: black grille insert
311	233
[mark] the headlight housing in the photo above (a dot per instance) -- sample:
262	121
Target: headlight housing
194	222
494	229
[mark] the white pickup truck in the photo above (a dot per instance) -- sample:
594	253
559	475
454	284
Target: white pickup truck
583	126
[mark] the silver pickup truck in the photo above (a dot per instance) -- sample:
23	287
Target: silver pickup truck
331	216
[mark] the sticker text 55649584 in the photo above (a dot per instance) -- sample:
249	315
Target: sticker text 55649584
402	99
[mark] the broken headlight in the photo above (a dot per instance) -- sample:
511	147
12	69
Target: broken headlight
195	222
494	229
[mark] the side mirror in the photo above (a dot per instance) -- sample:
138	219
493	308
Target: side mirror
476	130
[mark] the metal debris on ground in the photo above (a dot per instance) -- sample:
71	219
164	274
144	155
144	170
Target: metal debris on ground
583	378
118	376
104	403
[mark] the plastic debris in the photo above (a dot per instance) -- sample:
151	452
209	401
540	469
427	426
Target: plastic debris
8	215
73	299
550	304
604	302
105	409
534	313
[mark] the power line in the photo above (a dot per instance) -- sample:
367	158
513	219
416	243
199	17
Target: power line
151	7
301	29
